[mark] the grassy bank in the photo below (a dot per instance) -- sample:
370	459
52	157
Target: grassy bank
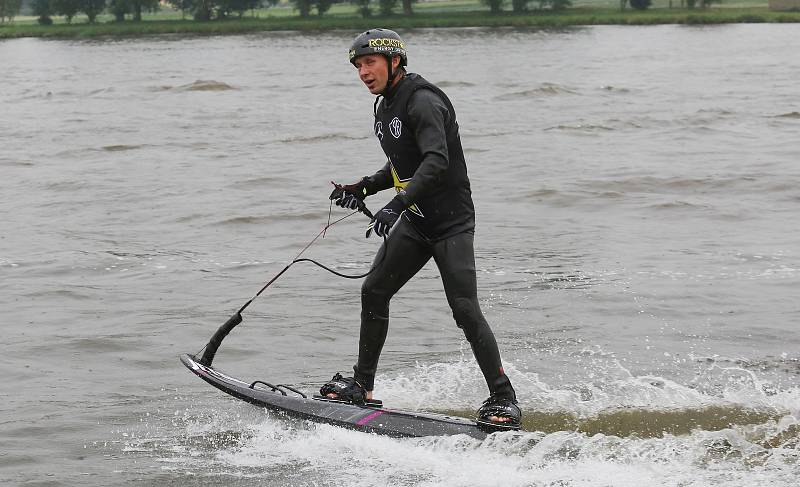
577	16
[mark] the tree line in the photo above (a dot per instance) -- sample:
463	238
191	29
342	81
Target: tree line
122	10
206	10
133	9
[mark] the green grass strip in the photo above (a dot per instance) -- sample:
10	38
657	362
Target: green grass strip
546	19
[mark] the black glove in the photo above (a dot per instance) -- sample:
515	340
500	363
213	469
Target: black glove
351	195
386	217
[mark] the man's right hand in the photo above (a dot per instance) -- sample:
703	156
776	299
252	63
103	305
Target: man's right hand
350	195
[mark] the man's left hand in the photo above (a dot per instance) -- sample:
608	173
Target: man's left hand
386	218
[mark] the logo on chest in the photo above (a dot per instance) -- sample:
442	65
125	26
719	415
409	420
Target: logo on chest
396	127
379	130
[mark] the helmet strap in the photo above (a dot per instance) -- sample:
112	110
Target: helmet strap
390	79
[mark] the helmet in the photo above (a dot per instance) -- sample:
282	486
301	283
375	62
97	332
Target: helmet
379	41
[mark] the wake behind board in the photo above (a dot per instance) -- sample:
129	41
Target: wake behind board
369	418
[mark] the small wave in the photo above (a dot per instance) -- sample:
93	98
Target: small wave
454	84
31	95
788	365
16	163
319	138
126	255
100	91
262	220
489	133
191	217
703	119
653	184
120	147
553	197
626	124
545	89
788	115
676	205
246	220
65	185
199	85
580	127
260	182
94	344
614	89
59	294
543	193
560	280
716	111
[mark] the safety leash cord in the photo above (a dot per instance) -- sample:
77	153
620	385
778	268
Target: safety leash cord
210	349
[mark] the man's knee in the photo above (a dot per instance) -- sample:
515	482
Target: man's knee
374	300
468	315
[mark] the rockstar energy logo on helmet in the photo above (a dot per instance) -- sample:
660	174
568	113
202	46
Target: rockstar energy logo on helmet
378	41
386	42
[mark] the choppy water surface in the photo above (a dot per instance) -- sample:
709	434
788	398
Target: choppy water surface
638	250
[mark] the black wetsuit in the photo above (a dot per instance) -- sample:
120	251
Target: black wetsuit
418	132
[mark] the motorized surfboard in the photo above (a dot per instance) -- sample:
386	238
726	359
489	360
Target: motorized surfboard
369	418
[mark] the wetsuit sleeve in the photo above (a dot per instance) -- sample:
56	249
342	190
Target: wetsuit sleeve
428	115
380	180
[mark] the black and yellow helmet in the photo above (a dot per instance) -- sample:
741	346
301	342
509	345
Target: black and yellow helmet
379	41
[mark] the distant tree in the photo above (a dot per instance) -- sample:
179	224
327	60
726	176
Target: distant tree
43	9
691	3
706	3
92	8
322	6
303	6
386	7
363	8
224	8
9	9
407	10
67	8
182	5
495	6
519	6
641	4
203	10
137	6
119	8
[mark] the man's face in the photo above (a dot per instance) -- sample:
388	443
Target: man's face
373	70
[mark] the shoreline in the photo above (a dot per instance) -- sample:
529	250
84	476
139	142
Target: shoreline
572	17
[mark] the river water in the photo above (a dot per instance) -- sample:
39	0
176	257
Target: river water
638	250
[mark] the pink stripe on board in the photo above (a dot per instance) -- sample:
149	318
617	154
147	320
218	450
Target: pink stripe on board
368	418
